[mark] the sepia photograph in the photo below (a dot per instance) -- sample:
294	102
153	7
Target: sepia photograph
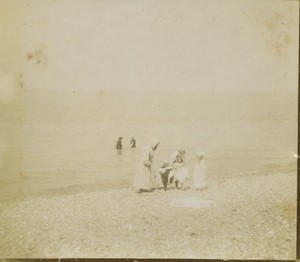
149	129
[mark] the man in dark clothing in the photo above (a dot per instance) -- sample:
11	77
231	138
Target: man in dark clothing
132	142
119	143
163	172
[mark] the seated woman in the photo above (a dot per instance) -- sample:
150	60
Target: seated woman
181	173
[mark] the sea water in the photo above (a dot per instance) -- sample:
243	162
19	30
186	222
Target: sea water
56	154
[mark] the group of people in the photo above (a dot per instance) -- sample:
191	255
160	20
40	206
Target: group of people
119	145
172	171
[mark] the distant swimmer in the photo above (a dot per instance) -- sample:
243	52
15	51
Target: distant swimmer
132	142
119	143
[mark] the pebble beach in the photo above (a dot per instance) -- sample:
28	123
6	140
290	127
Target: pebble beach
246	217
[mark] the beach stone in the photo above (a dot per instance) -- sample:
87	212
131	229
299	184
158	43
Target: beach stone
191	202
230	220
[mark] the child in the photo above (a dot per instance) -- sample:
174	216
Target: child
200	182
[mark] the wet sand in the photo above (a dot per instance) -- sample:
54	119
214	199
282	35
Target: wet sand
242	218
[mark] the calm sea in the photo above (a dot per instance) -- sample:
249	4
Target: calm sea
57	154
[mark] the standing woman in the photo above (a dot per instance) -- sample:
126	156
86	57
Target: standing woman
200	181
142	180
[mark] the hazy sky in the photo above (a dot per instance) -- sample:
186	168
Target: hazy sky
204	45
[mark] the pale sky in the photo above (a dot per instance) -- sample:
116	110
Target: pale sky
195	45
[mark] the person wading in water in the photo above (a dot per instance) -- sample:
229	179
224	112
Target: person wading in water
119	145
132	142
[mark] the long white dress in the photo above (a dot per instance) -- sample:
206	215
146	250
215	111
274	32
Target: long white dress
142	179
181	174
200	180
158	181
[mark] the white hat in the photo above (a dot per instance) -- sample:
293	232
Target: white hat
154	142
181	151
200	154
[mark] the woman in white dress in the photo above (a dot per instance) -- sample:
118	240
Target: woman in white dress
181	173
142	180
200	180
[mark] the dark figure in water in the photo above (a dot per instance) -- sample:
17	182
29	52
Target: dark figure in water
119	143
132	142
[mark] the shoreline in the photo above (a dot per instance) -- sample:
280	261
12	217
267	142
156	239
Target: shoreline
94	187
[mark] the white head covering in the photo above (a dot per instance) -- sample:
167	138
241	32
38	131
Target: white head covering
154	142
181	151
200	154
